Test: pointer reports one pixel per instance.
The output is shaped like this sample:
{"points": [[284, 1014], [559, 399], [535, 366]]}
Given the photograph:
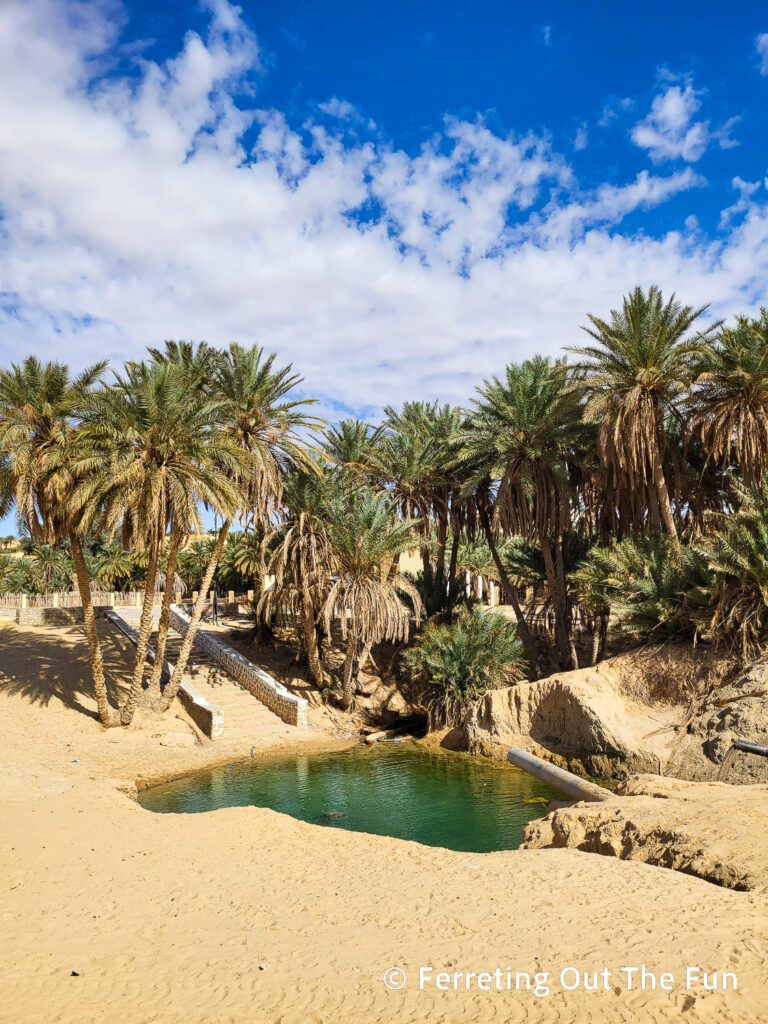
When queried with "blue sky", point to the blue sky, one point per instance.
{"points": [[398, 198], [580, 74]]}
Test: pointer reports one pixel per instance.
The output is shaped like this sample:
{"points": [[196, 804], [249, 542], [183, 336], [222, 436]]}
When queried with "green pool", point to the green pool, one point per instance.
{"points": [[392, 789]]}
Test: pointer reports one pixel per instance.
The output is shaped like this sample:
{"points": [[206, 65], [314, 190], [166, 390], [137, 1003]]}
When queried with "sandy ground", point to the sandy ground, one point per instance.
{"points": [[113, 914], [708, 829]]}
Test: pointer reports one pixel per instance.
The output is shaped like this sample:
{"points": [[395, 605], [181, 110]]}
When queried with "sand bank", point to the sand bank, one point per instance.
{"points": [[114, 914]]}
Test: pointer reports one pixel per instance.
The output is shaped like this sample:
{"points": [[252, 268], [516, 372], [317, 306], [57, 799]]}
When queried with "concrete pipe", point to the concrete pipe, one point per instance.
{"points": [[566, 782]]}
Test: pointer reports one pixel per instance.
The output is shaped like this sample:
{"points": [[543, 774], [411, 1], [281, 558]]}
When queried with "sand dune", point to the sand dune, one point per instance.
{"points": [[244, 915]]}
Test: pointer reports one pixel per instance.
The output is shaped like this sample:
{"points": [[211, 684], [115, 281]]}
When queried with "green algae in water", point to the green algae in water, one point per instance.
{"points": [[390, 789]]}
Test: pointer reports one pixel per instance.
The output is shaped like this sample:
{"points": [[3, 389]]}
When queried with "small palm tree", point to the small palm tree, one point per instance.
{"points": [[460, 663], [474, 556], [636, 375], [736, 549], [365, 534], [730, 399], [114, 565], [13, 575], [241, 558], [653, 584], [49, 568]]}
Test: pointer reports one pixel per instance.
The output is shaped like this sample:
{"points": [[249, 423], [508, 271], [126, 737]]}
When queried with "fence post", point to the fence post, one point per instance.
{"points": [[138, 599], [24, 601], [194, 596], [250, 595], [55, 600]]}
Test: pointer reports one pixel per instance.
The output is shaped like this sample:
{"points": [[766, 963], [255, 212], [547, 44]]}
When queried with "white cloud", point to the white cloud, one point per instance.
{"points": [[669, 131], [581, 138], [761, 45], [134, 210], [615, 109], [746, 190]]}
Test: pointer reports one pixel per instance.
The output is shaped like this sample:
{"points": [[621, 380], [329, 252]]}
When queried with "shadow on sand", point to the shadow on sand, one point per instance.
{"points": [[48, 662]]}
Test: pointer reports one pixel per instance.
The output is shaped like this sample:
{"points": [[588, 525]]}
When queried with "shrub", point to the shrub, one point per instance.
{"points": [[737, 551], [655, 586], [459, 663]]}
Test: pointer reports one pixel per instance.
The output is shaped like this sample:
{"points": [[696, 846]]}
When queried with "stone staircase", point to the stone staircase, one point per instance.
{"points": [[244, 715]]}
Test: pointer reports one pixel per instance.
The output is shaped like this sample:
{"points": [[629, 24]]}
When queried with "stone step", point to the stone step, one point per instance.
{"points": [[243, 713]]}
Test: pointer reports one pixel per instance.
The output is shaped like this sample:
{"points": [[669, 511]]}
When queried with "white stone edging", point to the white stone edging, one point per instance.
{"points": [[272, 693], [205, 715]]}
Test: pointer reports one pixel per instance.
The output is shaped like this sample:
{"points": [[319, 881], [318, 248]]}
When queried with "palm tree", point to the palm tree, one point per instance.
{"points": [[526, 433], [636, 375], [39, 440], [429, 434], [49, 568], [351, 446], [474, 556], [407, 460], [114, 565], [364, 534], [13, 574], [240, 559], [654, 585], [264, 428], [736, 549], [730, 399], [166, 455], [301, 561]]}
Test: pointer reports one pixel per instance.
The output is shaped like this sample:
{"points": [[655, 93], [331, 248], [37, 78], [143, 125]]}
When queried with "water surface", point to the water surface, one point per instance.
{"points": [[393, 789]]}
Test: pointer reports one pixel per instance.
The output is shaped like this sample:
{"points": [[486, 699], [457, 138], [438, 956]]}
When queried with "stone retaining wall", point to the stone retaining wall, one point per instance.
{"points": [[206, 716], [270, 692], [54, 616]]}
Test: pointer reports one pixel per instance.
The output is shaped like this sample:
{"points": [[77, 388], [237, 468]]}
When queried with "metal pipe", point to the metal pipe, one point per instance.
{"points": [[566, 782], [751, 748]]}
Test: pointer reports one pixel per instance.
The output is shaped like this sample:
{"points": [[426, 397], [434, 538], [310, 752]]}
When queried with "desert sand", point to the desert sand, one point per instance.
{"points": [[111, 913]]}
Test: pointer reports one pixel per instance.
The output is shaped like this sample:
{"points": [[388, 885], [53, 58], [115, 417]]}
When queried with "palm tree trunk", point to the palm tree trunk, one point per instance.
{"points": [[172, 688], [442, 536], [348, 679], [561, 629], [564, 610], [425, 563], [451, 583], [165, 615], [657, 475], [595, 650], [310, 637], [604, 620], [453, 560], [107, 714], [660, 484], [510, 597], [128, 709]]}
